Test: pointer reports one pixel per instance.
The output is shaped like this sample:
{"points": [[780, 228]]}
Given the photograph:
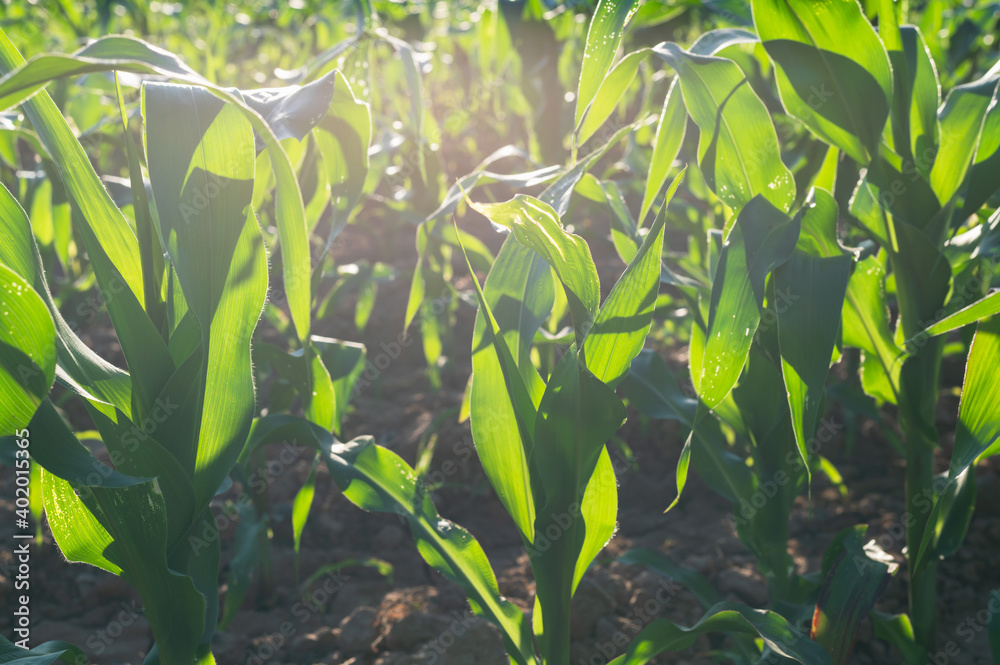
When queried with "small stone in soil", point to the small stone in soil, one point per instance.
{"points": [[475, 641], [415, 628], [357, 631], [590, 603]]}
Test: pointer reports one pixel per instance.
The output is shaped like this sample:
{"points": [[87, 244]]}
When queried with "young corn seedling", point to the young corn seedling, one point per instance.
{"points": [[927, 171], [918, 172], [184, 292], [541, 443]]}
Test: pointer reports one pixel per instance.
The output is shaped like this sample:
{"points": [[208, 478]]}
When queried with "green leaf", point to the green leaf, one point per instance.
{"points": [[92, 199], [866, 327], [809, 297], [228, 373], [738, 150], [292, 111], [536, 225], [559, 193], [103, 55], [620, 329], [916, 97], [201, 160], [923, 278], [762, 238], [652, 388], [43, 654], [133, 513], [669, 136], [808, 329], [377, 479], [27, 351], [125, 53], [150, 252], [962, 118], [201, 165], [981, 309], [343, 137], [245, 557], [576, 417], [77, 364], [604, 36], [664, 635], [146, 353], [300, 509], [979, 410], [983, 179], [612, 89], [896, 629], [832, 70], [977, 436], [79, 534], [415, 81], [857, 578], [345, 362], [505, 391]]}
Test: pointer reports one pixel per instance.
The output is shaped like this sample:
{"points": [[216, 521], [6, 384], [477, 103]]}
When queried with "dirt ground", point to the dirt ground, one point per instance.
{"points": [[418, 616]]}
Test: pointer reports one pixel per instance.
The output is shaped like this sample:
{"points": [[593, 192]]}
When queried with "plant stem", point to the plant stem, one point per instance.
{"points": [[918, 399], [923, 582]]}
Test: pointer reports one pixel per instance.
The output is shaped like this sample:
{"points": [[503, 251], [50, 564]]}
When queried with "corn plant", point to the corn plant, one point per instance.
{"points": [[921, 172], [184, 291]]}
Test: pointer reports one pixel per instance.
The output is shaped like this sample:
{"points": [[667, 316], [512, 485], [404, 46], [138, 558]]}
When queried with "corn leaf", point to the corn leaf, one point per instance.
{"points": [[670, 129], [133, 513], [27, 351], [738, 150], [977, 437], [505, 392], [832, 70], [612, 89], [559, 193], [343, 137], [96, 207], [43, 654], [983, 181], [923, 278], [292, 111], [536, 225], [604, 36], [577, 415], [663, 635], [344, 362], [377, 479], [123, 52], [620, 329], [150, 252], [981, 309], [762, 238], [962, 118], [809, 297], [855, 581], [866, 327], [77, 364], [300, 509], [103, 56]]}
